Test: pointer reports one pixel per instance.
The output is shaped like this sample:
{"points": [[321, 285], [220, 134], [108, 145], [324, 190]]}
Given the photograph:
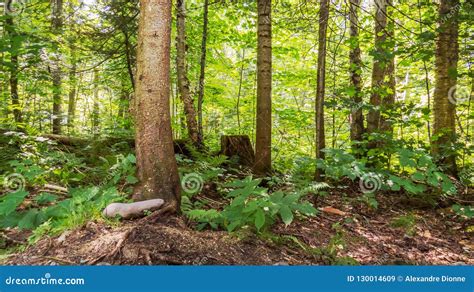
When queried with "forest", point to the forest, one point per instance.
{"points": [[237, 132]]}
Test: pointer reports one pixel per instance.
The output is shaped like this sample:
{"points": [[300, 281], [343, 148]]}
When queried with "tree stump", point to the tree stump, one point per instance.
{"points": [[240, 146]]}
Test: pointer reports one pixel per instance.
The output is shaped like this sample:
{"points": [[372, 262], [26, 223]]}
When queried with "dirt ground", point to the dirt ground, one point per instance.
{"points": [[343, 234]]}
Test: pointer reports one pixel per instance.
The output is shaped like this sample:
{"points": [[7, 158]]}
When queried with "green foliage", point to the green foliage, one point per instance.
{"points": [[413, 170], [252, 205], [464, 211], [123, 169], [205, 217], [9, 203], [47, 212], [369, 200], [423, 172], [406, 222], [80, 206]]}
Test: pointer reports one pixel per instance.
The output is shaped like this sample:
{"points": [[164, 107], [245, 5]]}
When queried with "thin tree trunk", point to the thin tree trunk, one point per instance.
{"points": [[156, 163], [427, 80], [383, 79], [183, 82], [428, 94], [95, 107], [357, 118], [15, 100], [128, 55], [72, 94], [203, 68], [321, 79], [263, 141], [388, 100], [447, 50], [241, 74], [57, 25]]}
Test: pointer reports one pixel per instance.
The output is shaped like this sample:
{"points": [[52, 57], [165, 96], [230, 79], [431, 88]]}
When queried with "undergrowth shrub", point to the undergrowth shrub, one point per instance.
{"points": [[27, 206], [251, 205], [413, 171]]}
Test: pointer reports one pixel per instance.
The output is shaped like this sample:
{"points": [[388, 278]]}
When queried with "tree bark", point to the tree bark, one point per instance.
{"points": [[238, 145], [57, 25], [447, 54], [321, 79], [383, 79], [72, 93], [15, 100], [357, 118], [239, 92], [263, 141], [183, 82], [156, 164], [128, 57], [95, 107], [203, 68]]}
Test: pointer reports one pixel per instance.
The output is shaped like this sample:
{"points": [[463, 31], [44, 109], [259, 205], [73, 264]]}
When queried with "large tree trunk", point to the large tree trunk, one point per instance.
{"points": [[203, 68], [57, 24], [183, 82], [321, 79], [14, 48], [383, 79], [357, 118], [156, 164], [263, 154], [444, 103]]}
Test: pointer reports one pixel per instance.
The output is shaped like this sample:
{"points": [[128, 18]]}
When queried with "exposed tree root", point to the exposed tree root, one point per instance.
{"points": [[117, 248]]}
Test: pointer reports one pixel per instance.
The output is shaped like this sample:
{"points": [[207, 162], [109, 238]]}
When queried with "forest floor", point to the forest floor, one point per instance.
{"points": [[344, 232]]}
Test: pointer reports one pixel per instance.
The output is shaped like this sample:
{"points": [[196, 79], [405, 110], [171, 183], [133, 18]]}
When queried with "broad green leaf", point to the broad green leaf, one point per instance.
{"points": [[286, 214], [9, 202], [259, 219], [306, 209], [45, 198], [131, 179]]}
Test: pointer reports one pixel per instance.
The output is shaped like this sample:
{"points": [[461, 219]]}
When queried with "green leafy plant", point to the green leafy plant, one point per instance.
{"points": [[252, 205], [415, 171], [81, 205], [464, 211], [369, 200]]}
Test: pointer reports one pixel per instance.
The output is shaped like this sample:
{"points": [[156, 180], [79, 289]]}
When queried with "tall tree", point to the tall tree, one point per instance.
{"points": [[357, 118], [183, 81], [95, 104], [447, 54], [157, 169], [14, 49], [71, 111], [203, 67], [320, 80], [57, 26], [263, 141], [383, 79]]}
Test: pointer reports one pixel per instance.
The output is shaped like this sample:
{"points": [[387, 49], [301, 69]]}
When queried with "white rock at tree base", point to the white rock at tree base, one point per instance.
{"points": [[129, 210]]}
